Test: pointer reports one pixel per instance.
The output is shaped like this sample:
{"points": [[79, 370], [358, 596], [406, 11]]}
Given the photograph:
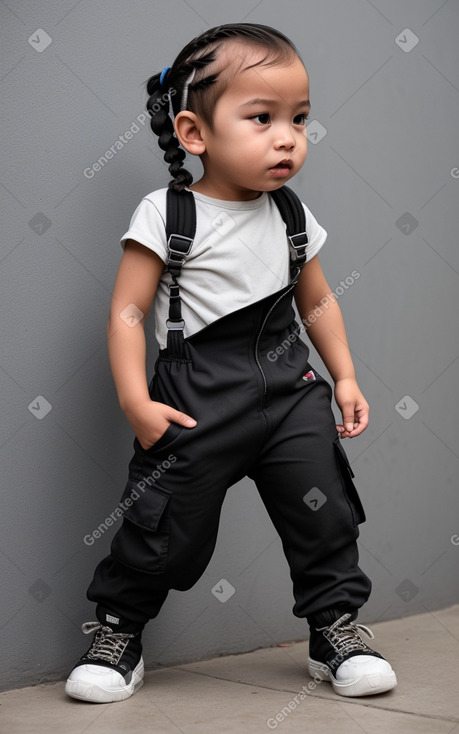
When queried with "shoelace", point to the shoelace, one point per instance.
{"points": [[107, 645], [345, 636]]}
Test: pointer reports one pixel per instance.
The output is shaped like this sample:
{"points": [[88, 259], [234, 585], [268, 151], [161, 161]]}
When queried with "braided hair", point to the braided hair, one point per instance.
{"points": [[187, 85]]}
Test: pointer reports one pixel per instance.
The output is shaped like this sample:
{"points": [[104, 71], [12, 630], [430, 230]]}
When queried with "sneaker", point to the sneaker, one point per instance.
{"points": [[111, 670], [338, 654]]}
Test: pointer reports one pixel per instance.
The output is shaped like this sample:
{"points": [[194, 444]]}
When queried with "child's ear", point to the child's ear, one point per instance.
{"points": [[188, 130]]}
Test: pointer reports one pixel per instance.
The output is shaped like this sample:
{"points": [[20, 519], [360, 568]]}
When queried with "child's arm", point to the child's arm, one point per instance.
{"points": [[136, 282], [328, 335]]}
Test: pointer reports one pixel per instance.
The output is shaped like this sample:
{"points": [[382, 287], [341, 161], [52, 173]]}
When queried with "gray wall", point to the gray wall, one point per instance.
{"points": [[383, 181]]}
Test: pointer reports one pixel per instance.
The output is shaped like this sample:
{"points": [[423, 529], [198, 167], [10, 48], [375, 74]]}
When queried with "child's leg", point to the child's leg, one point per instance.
{"points": [[169, 531], [305, 481], [125, 595], [165, 542], [309, 494]]}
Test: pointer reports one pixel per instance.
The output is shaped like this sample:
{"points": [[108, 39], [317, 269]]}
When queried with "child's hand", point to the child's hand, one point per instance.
{"points": [[354, 408], [149, 420]]}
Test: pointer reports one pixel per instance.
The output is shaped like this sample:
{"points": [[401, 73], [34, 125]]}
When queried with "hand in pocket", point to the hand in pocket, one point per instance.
{"points": [[150, 421]]}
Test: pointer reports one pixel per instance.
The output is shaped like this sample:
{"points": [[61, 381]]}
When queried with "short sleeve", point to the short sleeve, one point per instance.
{"points": [[316, 234], [147, 226]]}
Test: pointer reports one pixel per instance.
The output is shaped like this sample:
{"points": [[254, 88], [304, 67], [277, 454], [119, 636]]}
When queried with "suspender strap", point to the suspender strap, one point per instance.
{"points": [[180, 228], [180, 232], [293, 214]]}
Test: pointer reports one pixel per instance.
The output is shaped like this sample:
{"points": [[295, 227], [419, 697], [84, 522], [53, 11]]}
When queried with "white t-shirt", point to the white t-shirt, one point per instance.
{"points": [[240, 255]]}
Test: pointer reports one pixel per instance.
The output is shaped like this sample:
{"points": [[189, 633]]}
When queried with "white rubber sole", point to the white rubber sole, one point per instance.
{"points": [[88, 691], [367, 685]]}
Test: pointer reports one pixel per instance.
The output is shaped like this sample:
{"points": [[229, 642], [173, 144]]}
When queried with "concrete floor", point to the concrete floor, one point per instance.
{"points": [[244, 693]]}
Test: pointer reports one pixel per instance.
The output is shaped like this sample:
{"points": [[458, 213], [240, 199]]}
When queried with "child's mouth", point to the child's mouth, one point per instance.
{"points": [[282, 169]]}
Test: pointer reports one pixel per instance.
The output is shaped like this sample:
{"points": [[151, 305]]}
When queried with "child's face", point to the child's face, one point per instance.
{"points": [[250, 138]]}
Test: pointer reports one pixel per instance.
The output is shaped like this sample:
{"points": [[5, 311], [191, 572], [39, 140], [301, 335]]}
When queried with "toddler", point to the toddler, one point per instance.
{"points": [[233, 393]]}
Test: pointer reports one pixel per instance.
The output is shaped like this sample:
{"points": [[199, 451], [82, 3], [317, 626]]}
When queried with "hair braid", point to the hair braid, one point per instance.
{"points": [[161, 124]]}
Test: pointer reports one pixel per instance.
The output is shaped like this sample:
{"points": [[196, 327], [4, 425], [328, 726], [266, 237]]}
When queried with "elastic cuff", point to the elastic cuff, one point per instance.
{"points": [[118, 624], [327, 617]]}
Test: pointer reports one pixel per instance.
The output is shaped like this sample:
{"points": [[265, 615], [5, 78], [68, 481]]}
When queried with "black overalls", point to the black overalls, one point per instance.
{"points": [[262, 411]]}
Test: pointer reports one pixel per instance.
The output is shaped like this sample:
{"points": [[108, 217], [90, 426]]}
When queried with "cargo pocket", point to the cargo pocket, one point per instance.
{"points": [[142, 542], [353, 499]]}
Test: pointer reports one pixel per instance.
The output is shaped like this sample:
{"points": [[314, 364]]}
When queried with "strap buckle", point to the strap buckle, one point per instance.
{"points": [[179, 247], [175, 325], [183, 245], [298, 244]]}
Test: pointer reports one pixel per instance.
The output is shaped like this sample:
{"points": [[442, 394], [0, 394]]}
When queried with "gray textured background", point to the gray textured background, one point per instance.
{"points": [[383, 181]]}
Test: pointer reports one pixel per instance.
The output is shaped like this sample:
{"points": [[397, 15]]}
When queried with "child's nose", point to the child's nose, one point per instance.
{"points": [[285, 138]]}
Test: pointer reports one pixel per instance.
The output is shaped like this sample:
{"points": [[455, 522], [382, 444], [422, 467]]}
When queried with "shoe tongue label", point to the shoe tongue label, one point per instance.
{"points": [[113, 620]]}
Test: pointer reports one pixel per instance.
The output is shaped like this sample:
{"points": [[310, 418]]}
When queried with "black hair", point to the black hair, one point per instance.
{"points": [[205, 89]]}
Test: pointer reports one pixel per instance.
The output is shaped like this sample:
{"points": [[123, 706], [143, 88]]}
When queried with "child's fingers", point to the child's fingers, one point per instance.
{"points": [[357, 430], [353, 426], [176, 416], [348, 418]]}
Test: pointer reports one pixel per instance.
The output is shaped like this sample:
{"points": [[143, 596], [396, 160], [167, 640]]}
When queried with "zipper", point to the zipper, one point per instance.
{"points": [[265, 383]]}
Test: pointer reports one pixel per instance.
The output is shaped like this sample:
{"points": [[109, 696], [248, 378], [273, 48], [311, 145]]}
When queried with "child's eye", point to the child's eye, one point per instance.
{"points": [[263, 118]]}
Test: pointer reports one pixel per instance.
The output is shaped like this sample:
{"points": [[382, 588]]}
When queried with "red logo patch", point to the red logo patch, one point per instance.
{"points": [[309, 376]]}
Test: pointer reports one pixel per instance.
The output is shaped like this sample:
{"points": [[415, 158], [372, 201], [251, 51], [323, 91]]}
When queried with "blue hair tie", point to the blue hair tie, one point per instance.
{"points": [[163, 74]]}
